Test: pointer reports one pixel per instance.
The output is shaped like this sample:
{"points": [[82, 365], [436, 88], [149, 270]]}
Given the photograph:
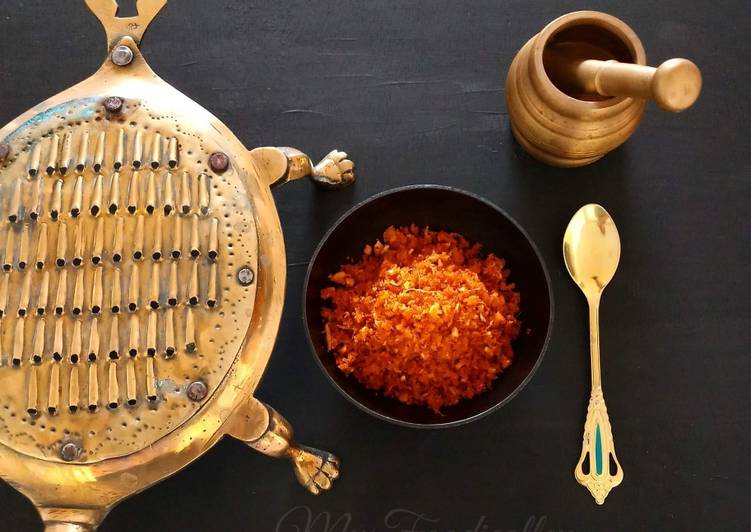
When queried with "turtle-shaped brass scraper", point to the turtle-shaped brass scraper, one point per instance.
{"points": [[141, 287]]}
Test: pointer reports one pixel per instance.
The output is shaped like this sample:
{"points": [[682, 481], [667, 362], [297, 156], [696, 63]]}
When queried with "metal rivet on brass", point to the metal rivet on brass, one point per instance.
{"points": [[246, 276], [122, 55], [219, 162], [113, 104], [197, 391], [69, 452]]}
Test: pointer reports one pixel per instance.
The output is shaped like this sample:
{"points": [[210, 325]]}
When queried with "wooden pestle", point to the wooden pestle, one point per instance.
{"points": [[674, 85]]}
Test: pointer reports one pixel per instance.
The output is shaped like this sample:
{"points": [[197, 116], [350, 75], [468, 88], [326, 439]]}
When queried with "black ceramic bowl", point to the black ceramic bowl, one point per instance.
{"points": [[451, 210]]}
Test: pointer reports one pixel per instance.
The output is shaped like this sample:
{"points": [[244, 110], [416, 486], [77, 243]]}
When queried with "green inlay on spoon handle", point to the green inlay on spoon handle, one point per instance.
{"points": [[598, 450], [598, 468]]}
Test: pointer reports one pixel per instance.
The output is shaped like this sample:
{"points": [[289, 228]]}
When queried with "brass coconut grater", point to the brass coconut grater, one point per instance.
{"points": [[142, 286]]}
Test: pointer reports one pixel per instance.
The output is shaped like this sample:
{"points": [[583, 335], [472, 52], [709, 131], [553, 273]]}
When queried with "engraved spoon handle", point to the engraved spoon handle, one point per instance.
{"points": [[598, 468]]}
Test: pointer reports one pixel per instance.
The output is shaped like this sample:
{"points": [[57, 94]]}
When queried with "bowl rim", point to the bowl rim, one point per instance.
{"points": [[394, 420]]}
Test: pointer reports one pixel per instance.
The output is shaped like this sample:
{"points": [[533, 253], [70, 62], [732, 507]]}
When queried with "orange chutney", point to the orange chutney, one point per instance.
{"points": [[422, 317]]}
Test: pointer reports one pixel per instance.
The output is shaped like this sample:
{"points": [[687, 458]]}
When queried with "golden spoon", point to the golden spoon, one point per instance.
{"points": [[591, 250]]}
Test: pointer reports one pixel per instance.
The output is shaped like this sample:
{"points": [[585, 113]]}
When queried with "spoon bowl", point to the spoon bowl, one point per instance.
{"points": [[591, 249]]}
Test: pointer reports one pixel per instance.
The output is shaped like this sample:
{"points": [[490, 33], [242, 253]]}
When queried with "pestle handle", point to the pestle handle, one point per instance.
{"points": [[674, 85]]}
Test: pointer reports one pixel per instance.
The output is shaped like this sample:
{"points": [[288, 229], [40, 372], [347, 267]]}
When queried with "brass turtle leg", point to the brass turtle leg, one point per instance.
{"points": [[282, 165], [266, 431]]}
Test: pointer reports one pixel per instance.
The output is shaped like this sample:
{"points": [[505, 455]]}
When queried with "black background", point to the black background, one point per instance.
{"points": [[414, 90]]}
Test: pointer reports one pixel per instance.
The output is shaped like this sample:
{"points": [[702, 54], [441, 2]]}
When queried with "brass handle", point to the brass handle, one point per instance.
{"points": [[67, 527], [675, 85], [594, 470], [116, 27], [71, 519]]}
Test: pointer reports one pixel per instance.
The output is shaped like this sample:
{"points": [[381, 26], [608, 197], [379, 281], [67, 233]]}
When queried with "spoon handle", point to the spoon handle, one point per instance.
{"points": [[598, 469], [594, 341]]}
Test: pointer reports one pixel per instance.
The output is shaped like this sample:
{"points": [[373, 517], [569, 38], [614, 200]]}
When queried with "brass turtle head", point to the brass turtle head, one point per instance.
{"points": [[141, 289]]}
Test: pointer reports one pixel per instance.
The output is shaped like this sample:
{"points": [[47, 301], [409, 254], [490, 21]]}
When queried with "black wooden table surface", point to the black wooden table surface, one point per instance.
{"points": [[414, 90]]}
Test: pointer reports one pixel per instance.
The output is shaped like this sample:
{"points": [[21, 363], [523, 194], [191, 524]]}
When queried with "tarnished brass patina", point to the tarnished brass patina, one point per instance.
{"points": [[592, 250], [142, 286], [578, 89]]}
